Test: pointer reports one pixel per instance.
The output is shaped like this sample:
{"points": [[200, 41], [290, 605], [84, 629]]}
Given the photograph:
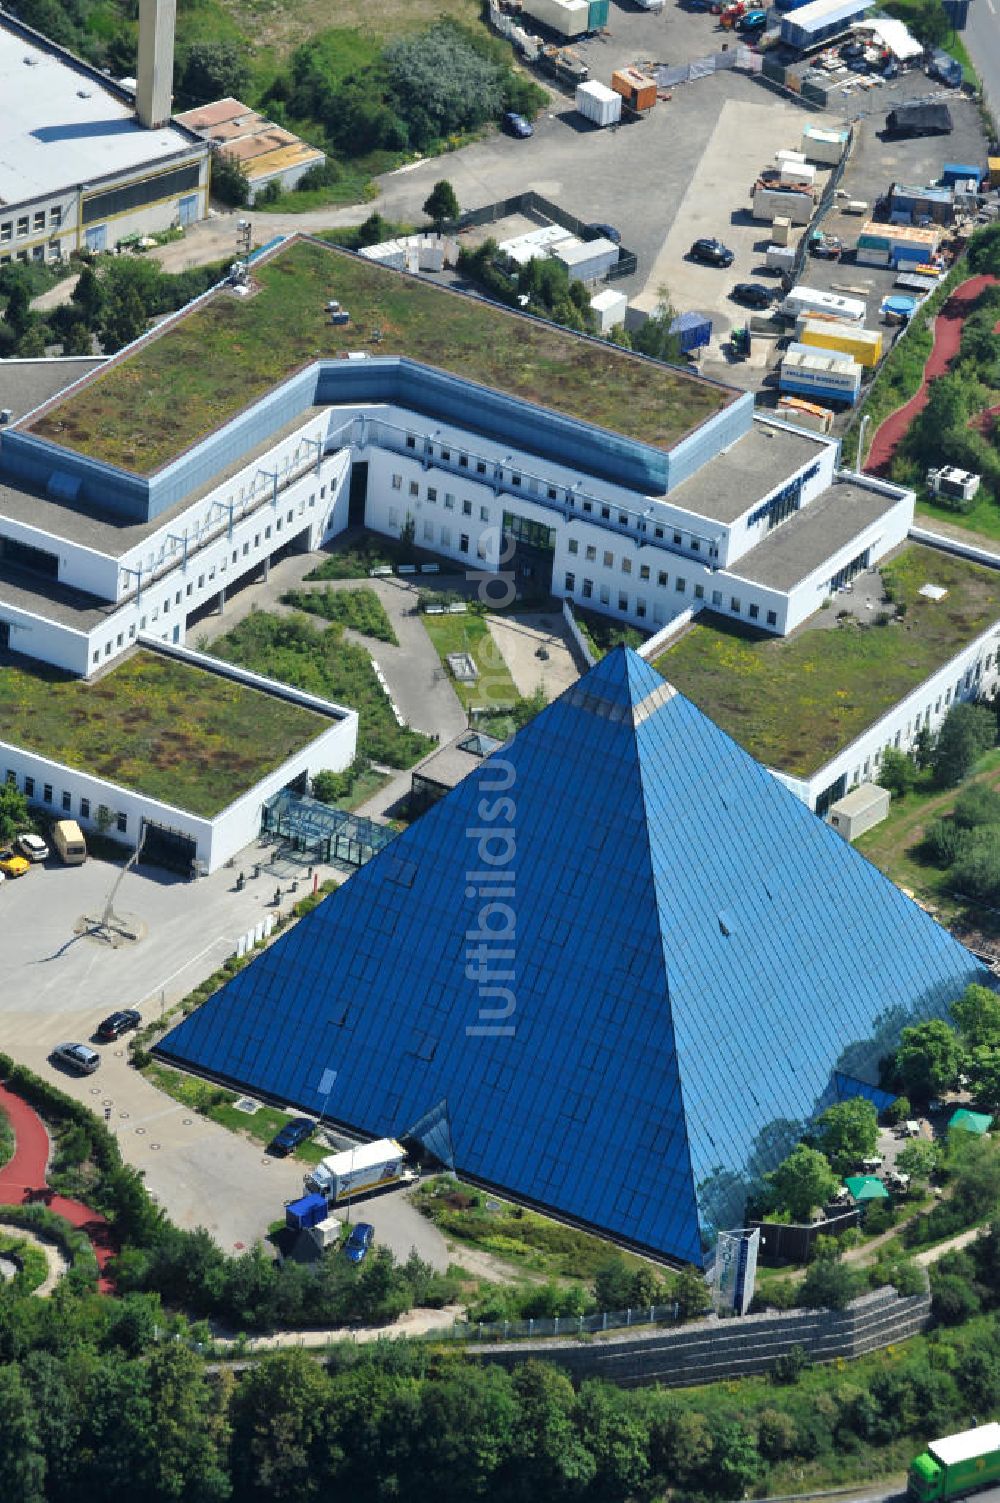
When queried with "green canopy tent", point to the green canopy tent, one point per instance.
{"points": [[974, 1122], [865, 1188]]}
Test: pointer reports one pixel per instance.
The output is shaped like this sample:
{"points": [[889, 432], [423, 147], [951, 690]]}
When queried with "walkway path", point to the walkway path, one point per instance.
{"points": [[947, 334], [54, 1256], [23, 1181]]}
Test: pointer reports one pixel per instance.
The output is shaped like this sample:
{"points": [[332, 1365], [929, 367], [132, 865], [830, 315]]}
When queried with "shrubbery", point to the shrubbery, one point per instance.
{"points": [[360, 609]]}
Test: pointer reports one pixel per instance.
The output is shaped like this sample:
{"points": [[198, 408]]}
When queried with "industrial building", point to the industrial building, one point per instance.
{"points": [[619, 996], [85, 162], [267, 152]]}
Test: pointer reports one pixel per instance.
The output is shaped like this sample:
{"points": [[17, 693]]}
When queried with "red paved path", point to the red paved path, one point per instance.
{"points": [[23, 1181], [947, 334]]}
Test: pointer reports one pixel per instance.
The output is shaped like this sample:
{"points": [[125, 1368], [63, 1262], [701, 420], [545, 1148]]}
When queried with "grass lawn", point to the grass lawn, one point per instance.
{"points": [[360, 609], [894, 845], [216, 1103], [174, 732], [470, 633], [183, 383], [983, 519], [34, 1264], [794, 702]]}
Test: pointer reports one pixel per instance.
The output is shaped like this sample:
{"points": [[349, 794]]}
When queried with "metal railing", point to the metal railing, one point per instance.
{"points": [[559, 1325]]}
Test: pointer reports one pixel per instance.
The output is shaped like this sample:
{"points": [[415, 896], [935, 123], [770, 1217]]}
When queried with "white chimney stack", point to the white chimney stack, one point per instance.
{"points": [[154, 94]]}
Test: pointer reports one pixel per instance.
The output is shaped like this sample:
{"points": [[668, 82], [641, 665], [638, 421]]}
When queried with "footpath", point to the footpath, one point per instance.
{"points": [[23, 1181]]}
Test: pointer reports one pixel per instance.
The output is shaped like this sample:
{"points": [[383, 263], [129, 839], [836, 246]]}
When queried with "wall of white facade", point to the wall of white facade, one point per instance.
{"points": [[70, 793], [743, 534], [973, 673], [48, 641]]}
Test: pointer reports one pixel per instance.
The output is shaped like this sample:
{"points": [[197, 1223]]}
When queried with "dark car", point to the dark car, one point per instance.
{"points": [[852, 51], [358, 1243], [945, 69], [290, 1136], [712, 252], [516, 125], [118, 1023], [606, 232], [752, 294]]}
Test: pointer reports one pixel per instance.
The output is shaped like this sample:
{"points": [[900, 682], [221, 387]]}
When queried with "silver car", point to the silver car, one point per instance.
{"points": [[76, 1057], [32, 846]]}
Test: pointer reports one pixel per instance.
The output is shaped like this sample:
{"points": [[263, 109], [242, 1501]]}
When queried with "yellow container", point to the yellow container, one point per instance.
{"points": [[863, 345], [994, 166]]}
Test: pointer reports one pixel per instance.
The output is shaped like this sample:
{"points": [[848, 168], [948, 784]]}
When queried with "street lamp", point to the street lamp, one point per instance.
{"points": [[861, 441]]}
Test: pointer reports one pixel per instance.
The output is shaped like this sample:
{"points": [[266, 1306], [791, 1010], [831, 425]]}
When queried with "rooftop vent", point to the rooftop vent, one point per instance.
{"points": [[83, 94], [340, 317], [31, 61]]}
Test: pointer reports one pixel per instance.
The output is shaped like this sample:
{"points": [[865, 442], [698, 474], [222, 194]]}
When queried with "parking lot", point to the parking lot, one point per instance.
{"points": [[58, 985]]}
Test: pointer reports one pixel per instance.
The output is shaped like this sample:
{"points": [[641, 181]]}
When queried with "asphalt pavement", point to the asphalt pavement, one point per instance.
{"points": [[982, 41]]}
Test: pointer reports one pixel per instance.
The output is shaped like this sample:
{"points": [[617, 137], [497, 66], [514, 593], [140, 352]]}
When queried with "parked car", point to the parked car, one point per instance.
{"points": [[33, 847], [826, 247], [516, 125], [753, 20], [357, 1245], [117, 1023], [712, 252], [76, 1057], [13, 865], [852, 51], [945, 69], [606, 232], [752, 294], [288, 1138]]}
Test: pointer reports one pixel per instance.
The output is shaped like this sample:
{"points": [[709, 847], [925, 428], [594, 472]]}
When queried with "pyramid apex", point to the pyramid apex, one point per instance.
{"points": [[622, 685]]}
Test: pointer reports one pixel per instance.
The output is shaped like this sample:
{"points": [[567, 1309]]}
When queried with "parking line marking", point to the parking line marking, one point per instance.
{"points": [[162, 985]]}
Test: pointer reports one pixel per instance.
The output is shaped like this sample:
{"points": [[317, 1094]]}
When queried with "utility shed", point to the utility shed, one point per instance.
{"points": [[860, 810]]}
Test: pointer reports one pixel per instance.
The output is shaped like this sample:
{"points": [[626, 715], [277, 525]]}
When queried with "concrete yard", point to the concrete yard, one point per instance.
{"points": [[520, 638]]}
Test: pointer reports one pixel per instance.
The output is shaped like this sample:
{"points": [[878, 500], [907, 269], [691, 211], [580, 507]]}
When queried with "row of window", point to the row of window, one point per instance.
{"points": [[444, 536], [31, 224], [680, 587], [51, 252], [904, 736], [448, 500], [117, 643], [66, 802]]}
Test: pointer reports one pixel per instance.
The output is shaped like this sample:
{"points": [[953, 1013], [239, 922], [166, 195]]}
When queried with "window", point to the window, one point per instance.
{"points": [[397, 484], [38, 253], [680, 585], [515, 478], [609, 560], [551, 491], [622, 601], [677, 537], [322, 495], [432, 494], [484, 514], [643, 571], [463, 543], [753, 612], [658, 532], [466, 508], [85, 808], [38, 221], [446, 454], [411, 442], [463, 461], [734, 605], [661, 579], [605, 594], [393, 516], [570, 582], [623, 519], [55, 217], [716, 597], [11, 777], [588, 588], [626, 566], [699, 592], [67, 803], [119, 639], [22, 225], [7, 230], [55, 250], [573, 546], [122, 823], [480, 467], [414, 488], [47, 792], [428, 532], [177, 598], [29, 787], [190, 587], [588, 506], [695, 546], [449, 501], [445, 537], [606, 513], [591, 553], [246, 550], [290, 517], [640, 607]]}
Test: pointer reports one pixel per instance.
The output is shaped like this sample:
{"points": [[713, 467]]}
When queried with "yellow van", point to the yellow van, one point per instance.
{"points": [[67, 837]]}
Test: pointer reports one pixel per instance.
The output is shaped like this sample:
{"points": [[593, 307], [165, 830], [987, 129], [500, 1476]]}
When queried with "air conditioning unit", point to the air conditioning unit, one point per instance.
{"points": [[959, 485]]}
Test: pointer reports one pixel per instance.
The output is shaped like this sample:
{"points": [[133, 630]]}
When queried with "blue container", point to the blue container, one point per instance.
{"points": [[959, 172], [309, 1211], [692, 330]]}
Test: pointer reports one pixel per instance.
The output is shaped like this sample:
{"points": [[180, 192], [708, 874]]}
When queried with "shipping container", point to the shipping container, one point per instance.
{"points": [[692, 331], [812, 374], [599, 104], [609, 308], [568, 18], [863, 345], [805, 414], [781, 230], [810, 349], [872, 255], [959, 172], [823, 146], [637, 89], [787, 155], [598, 11], [994, 167], [779, 257], [587, 261], [772, 203], [813, 24], [801, 299], [305, 1212]]}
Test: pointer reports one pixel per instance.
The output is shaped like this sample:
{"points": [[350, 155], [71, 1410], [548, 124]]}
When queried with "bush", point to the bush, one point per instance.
{"points": [[944, 842], [360, 609], [978, 805], [953, 1301], [828, 1286]]}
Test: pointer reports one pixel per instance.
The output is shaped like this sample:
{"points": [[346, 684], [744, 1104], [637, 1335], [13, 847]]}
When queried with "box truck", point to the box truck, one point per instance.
{"points": [[956, 1465], [358, 1170]]}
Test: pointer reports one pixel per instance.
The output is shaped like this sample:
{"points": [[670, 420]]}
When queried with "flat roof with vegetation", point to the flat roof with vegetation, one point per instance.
{"points": [[795, 702], [146, 408], [174, 732]]}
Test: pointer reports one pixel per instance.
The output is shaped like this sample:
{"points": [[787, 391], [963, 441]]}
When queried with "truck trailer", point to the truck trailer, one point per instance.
{"points": [[956, 1465], [356, 1171]]}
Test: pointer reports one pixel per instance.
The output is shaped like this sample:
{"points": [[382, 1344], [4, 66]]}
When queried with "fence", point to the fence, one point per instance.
{"points": [[574, 630], [822, 208], [655, 644], [529, 203], [561, 1325]]}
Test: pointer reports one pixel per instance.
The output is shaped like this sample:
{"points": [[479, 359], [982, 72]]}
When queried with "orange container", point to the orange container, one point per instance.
{"points": [[637, 89]]}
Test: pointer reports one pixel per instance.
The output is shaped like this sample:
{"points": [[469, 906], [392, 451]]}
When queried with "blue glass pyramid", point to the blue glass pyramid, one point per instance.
{"points": [[613, 972]]}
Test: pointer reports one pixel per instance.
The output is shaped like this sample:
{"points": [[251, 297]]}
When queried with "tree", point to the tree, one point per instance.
{"points": [[77, 339], [928, 1059], [897, 772], [735, 1463], [468, 1429], [617, 1439], [899, 1111], [848, 1133], [548, 1454], [13, 812], [188, 1451], [976, 871], [124, 320], [977, 1016], [803, 1181], [441, 204], [918, 1159], [692, 1294], [952, 1300], [278, 1416], [230, 183], [18, 310], [978, 805], [32, 343], [440, 83], [930, 23], [967, 732], [828, 1285], [88, 297], [776, 1434], [654, 338], [22, 1465], [213, 70], [983, 1068]]}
